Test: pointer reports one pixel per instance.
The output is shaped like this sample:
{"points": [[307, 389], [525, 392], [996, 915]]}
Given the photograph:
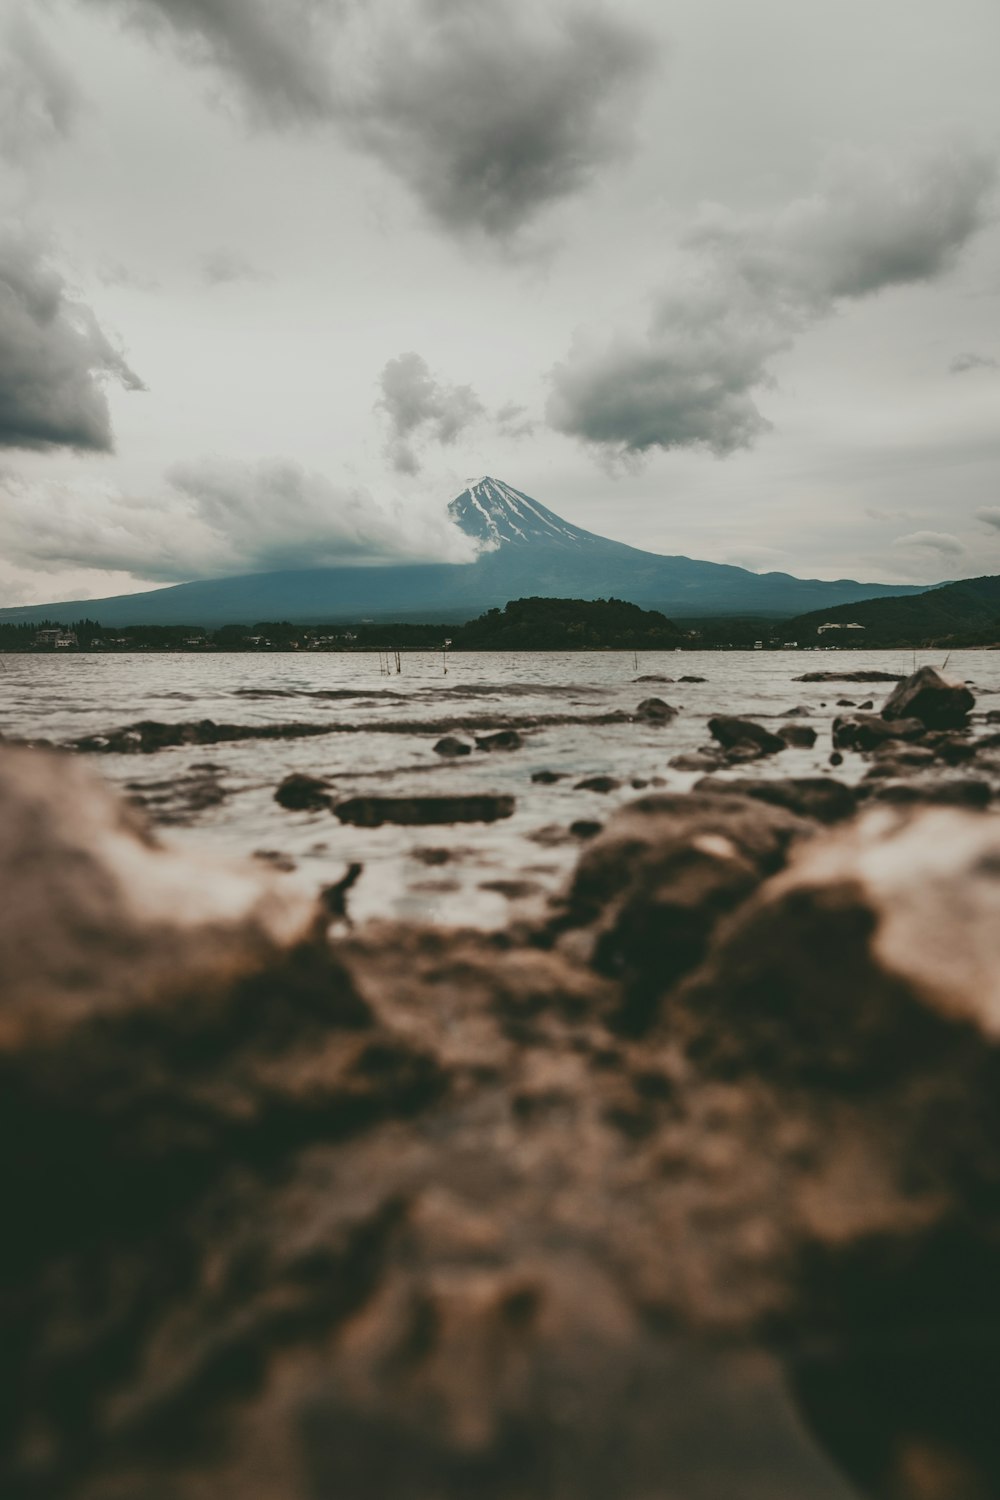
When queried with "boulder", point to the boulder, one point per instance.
{"points": [[865, 674], [501, 739], [451, 747], [819, 797], [547, 778], [598, 784], [865, 731], [655, 711], [372, 812], [798, 736], [732, 732], [301, 793], [935, 700]]}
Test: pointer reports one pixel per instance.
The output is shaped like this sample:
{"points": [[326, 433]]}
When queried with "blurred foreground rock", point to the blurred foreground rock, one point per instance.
{"points": [[634, 1204]]}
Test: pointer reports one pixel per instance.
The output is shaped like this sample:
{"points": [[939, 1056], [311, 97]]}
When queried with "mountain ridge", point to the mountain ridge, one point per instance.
{"points": [[526, 550]]}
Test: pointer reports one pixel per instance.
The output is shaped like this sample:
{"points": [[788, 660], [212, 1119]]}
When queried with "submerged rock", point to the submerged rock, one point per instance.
{"points": [[451, 747], [819, 797], [933, 699], [732, 732], [865, 731], [547, 778], [598, 784], [502, 739], [865, 674], [655, 711], [372, 812], [798, 736], [300, 793]]}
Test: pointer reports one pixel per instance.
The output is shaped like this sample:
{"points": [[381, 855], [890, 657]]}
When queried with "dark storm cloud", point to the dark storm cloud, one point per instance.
{"points": [[277, 51], [969, 361], [53, 357], [39, 101], [755, 283], [419, 408], [487, 112]]}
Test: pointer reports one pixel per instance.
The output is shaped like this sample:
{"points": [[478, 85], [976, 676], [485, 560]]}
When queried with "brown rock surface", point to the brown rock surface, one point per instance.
{"points": [[588, 1211]]}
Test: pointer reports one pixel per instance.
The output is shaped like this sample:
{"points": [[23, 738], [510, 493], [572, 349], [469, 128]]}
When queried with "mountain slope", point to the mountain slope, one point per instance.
{"points": [[970, 607], [528, 550]]}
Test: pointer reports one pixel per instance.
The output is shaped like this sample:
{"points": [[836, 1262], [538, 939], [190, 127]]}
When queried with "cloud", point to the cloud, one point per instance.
{"points": [[419, 409], [932, 541], [487, 112], [989, 515], [220, 519], [39, 100], [969, 361], [490, 112], [751, 285], [222, 267], [513, 421], [54, 358]]}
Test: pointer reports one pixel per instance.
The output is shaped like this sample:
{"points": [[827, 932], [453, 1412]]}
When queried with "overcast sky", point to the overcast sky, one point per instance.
{"points": [[277, 277]]}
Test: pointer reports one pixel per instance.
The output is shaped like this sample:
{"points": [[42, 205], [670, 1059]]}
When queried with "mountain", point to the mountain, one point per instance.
{"points": [[528, 550], [965, 612]]}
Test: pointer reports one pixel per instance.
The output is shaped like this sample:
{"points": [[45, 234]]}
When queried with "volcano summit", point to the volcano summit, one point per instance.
{"points": [[526, 550]]}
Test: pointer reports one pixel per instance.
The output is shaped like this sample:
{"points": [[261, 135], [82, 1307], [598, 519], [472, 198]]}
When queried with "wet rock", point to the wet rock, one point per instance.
{"points": [[695, 760], [868, 704], [502, 739], [993, 716], [932, 698], [866, 731], [956, 750], [655, 711], [835, 758], [150, 736], [732, 732], [100, 915], [432, 856], [653, 887], [846, 703], [936, 792], [585, 828], [688, 677], [653, 678], [598, 784], [451, 747], [819, 797], [866, 674], [372, 812], [798, 736], [800, 711], [547, 778], [300, 793]]}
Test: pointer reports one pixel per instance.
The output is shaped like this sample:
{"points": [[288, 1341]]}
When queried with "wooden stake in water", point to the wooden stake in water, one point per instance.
{"points": [[444, 654]]}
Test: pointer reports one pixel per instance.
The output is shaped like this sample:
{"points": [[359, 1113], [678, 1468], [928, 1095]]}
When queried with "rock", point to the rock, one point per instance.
{"points": [[688, 677], [372, 812], [695, 760], [654, 885], [654, 678], [452, 747], [638, 783], [300, 793], [150, 736], [835, 758], [933, 699], [547, 778], [598, 784], [865, 731], [942, 792], [869, 703], [799, 712], [955, 750], [819, 797], [993, 716], [732, 732], [502, 739], [800, 736], [846, 703], [866, 674], [655, 711]]}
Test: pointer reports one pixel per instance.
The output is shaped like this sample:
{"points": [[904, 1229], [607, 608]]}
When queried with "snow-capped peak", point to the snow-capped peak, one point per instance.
{"points": [[497, 515]]}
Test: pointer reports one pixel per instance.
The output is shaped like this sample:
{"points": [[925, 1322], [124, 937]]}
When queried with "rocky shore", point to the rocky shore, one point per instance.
{"points": [[687, 1190]]}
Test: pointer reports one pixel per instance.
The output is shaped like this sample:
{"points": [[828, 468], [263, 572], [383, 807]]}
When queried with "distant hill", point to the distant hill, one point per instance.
{"points": [[964, 613], [528, 550], [568, 625]]}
